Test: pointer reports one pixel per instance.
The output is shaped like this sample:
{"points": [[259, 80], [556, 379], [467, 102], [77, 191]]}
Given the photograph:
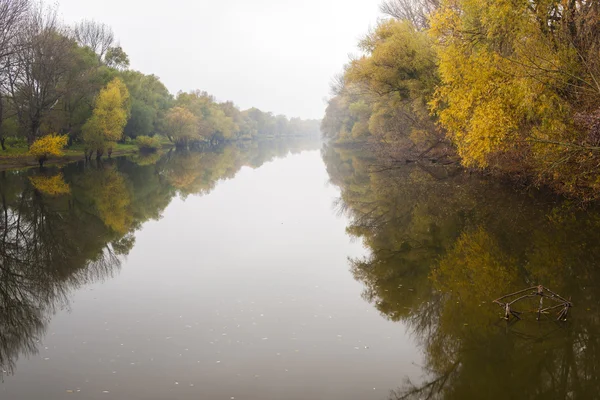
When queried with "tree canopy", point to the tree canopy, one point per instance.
{"points": [[496, 84]]}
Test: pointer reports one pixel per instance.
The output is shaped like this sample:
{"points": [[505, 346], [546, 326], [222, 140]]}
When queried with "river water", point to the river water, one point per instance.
{"points": [[287, 270], [242, 291]]}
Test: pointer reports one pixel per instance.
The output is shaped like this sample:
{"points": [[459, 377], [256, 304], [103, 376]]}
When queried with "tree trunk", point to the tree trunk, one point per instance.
{"points": [[2, 138], [33, 134]]}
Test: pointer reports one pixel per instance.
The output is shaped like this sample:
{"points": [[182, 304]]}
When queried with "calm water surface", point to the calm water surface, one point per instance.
{"points": [[289, 270], [243, 292]]}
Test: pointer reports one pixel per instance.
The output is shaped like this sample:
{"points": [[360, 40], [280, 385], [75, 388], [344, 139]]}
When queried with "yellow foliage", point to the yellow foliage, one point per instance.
{"points": [[385, 92], [51, 185], [110, 115], [400, 60], [181, 125], [500, 78], [46, 146], [474, 266], [113, 201]]}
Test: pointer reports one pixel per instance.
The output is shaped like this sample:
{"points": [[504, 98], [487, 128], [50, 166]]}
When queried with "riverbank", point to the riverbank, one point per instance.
{"points": [[17, 158]]}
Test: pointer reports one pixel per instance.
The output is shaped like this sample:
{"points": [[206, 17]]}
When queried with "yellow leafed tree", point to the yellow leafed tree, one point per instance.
{"points": [[508, 81], [181, 125], [47, 146], [110, 115]]}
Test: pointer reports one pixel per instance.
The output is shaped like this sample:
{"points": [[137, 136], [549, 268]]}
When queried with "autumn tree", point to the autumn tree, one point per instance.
{"points": [[108, 119], [181, 126], [520, 87], [396, 77], [47, 146], [384, 94]]}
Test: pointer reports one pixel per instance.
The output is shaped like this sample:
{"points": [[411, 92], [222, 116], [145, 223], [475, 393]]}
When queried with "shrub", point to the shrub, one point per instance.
{"points": [[16, 141], [46, 146], [147, 143]]}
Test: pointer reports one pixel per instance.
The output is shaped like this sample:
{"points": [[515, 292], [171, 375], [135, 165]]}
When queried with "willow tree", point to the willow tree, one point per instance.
{"points": [[109, 118], [520, 86], [181, 126], [396, 77]]}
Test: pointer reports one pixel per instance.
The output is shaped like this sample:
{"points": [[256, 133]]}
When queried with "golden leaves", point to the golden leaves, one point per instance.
{"points": [[110, 115], [51, 185], [50, 145]]}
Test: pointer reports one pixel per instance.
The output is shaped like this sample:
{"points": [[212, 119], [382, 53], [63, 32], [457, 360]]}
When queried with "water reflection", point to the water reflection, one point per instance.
{"points": [[443, 245], [64, 228]]}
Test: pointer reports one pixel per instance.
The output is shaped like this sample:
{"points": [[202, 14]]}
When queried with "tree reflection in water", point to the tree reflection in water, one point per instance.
{"points": [[443, 245], [61, 229]]}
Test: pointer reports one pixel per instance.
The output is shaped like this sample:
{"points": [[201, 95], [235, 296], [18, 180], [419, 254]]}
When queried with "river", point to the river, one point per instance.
{"points": [[288, 270]]}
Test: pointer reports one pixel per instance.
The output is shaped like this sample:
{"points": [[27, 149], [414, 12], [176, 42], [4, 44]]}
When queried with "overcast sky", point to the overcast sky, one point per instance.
{"points": [[276, 55]]}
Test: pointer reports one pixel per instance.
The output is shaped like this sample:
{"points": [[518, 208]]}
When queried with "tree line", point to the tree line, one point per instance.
{"points": [[503, 85], [71, 85]]}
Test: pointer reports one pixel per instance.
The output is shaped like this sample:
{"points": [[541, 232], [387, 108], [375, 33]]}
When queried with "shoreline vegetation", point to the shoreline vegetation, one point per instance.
{"points": [[67, 93], [22, 159], [502, 87]]}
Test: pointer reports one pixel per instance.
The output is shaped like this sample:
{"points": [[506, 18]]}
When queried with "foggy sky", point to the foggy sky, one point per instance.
{"points": [[276, 55]]}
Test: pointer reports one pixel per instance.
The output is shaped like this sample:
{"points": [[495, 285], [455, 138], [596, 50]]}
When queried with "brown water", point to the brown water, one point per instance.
{"points": [[288, 270]]}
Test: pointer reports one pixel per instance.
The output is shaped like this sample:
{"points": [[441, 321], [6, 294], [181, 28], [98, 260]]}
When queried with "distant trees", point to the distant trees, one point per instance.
{"points": [[216, 122], [181, 126], [148, 144], [75, 81], [384, 94], [97, 36]]}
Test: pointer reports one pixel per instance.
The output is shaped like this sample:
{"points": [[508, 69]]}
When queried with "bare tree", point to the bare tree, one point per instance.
{"points": [[97, 36], [37, 70], [415, 11], [12, 15]]}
